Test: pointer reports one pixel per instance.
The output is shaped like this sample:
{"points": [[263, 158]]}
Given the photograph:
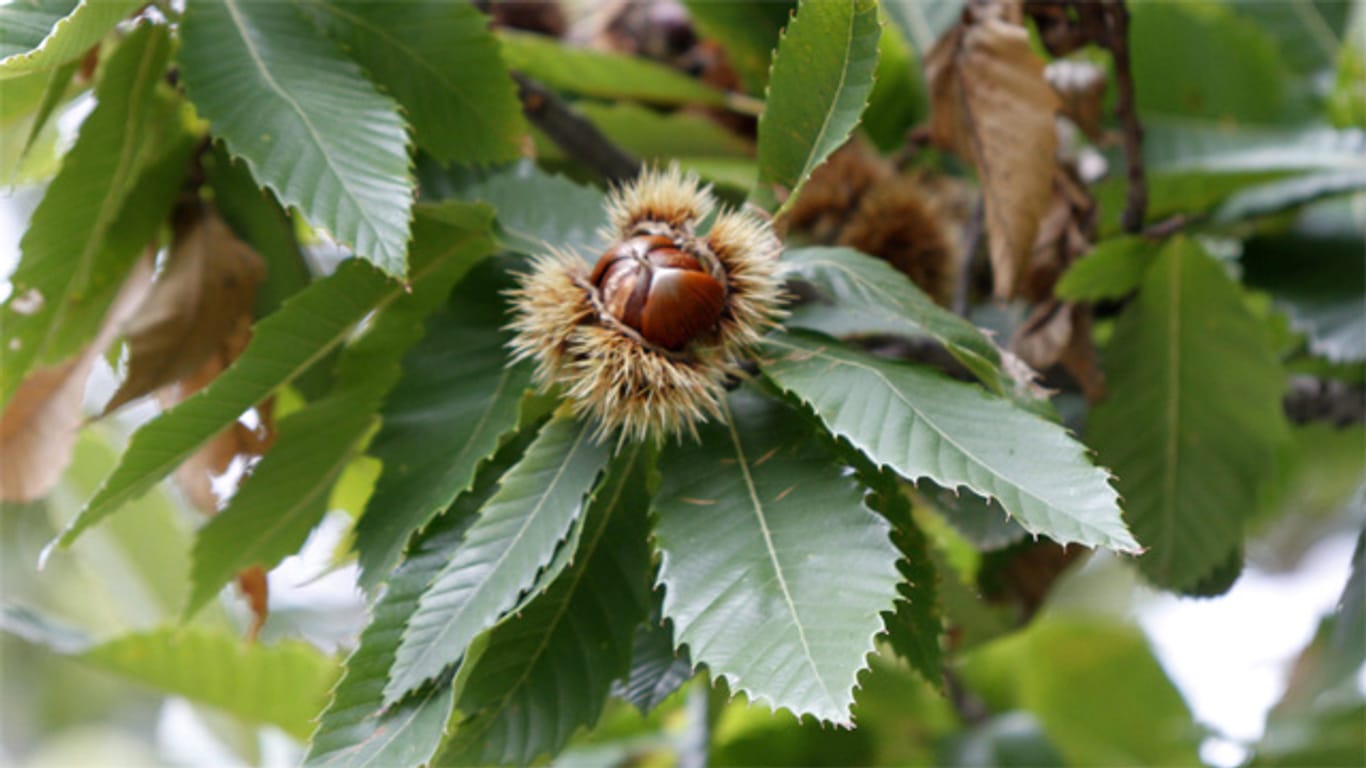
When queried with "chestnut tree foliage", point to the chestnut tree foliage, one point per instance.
{"points": [[291, 228]]}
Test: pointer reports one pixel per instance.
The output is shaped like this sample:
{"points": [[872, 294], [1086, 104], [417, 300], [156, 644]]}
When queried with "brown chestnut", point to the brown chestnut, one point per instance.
{"points": [[662, 292]]}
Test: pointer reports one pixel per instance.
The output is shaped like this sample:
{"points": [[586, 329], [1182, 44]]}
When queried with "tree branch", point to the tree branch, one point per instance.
{"points": [[573, 133]]}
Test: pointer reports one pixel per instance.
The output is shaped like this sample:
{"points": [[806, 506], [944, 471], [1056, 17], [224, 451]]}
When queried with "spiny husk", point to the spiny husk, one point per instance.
{"points": [[628, 386]]}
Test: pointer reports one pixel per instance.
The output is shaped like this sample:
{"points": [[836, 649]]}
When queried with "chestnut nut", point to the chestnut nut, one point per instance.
{"points": [[659, 290]]}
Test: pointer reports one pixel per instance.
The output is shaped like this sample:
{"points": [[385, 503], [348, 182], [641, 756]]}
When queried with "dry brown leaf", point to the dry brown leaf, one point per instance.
{"points": [[208, 286], [39, 427], [195, 475], [1081, 86], [992, 106], [252, 583]]}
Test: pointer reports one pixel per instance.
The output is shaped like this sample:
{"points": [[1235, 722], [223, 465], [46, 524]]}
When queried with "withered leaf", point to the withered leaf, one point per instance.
{"points": [[206, 289], [39, 426], [1081, 86], [992, 106]]}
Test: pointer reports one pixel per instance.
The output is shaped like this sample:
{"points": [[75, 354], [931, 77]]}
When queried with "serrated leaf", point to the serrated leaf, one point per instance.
{"points": [[1111, 270], [546, 671], [914, 627], [37, 36], [923, 424], [286, 493], [456, 402], [282, 684], [821, 79], [304, 118], [603, 75], [356, 729], [439, 61], [305, 330], [535, 210], [658, 668], [515, 535], [1193, 412], [775, 573], [991, 104], [79, 246], [866, 295]]}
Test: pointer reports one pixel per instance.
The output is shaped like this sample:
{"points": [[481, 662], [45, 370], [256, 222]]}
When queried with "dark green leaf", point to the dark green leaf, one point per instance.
{"points": [[546, 671], [658, 668], [454, 405], [923, 424], [603, 75], [1111, 270], [775, 572], [914, 627], [357, 729], [79, 246], [981, 522], [516, 534], [46, 34], [652, 135], [898, 99], [304, 118], [305, 330], [747, 29], [868, 296], [1192, 416], [440, 62], [822, 77], [286, 493]]}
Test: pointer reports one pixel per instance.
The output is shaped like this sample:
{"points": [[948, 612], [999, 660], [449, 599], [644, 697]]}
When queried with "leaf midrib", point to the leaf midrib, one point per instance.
{"points": [[1172, 443], [820, 353], [809, 165], [758, 507], [361, 210]]}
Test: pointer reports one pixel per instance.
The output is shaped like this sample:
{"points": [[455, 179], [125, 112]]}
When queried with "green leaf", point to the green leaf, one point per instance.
{"points": [[287, 492], [357, 729], [603, 75], [536, 210], [652, 135], [775, 573], [55, 89], [43, 35], [1067, 672], [282, 684], [822, 77], [455, 404], [914, 627], [258, 219], [305, 330], [860, 295], [517, 533], [304, 118], [925, 425], [547, 671], [658, 668], [922, 23], [1192, 416], [1111, 270], [439, 61], [79, 246], [747, 29], [899, 97]]}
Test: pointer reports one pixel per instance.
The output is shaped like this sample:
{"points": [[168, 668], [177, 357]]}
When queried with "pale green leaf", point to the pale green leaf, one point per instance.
{"points": [[860, 295], [924, 425], [456, 402], [36, 36], [357, 729], [306, 330], [822, 77], [304, 118], [1111, 270], [546, 671], [515, 535], [287, 491], [601, 74], [1192, 416], [775, 574], [79, 246], [441, 63]]}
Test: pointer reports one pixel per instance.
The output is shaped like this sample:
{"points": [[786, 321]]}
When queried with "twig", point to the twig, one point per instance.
{"points": [[1117, 40], [573, 133]]}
